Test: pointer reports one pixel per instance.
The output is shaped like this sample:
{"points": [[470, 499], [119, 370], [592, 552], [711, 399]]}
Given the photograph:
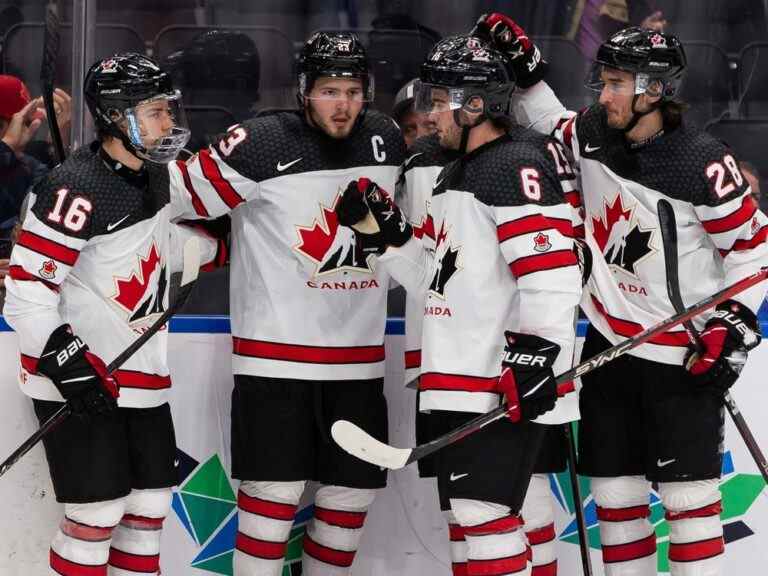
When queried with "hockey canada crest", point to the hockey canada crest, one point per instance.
{"points": [[143, 292], [329, 246], [446, 263], [618, 233]]}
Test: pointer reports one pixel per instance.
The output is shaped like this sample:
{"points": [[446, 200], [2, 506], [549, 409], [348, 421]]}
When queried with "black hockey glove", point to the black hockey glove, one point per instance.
{"points": [[527, 380], [510, 38], [80, 375], [376, 219], [727, 337]]}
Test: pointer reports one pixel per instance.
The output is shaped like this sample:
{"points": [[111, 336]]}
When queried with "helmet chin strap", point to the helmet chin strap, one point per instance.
{"points": [[466, 128], [637, 115]]}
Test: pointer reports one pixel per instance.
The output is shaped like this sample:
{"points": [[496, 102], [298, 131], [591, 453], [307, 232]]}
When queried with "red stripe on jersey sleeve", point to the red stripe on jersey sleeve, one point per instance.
{"points": [[498, 566], [578, 231], [18, 273], [568, 132], [733, 220], [456, 533], [149, 564], [692, 551], [623, 514], [714, 509], [197, 204], [541, 535], [142, 522], [413, 358], [49, 248], [541, 262], [545, 569], [223, 188], [498, 526], [29, 363], [267, 508], [308, 354], [350, 520], [134, 379], [628, 329], [436, 381], [753, 242], [533, 223], [573, 198]]}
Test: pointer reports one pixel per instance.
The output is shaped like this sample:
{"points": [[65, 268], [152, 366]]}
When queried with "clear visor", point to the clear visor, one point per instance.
{"points": [[158, 127], [338, 87], [620, 82], [433, 99]]}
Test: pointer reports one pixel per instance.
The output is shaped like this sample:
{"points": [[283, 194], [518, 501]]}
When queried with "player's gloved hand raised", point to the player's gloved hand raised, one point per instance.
{"points": [[527, 379], [370, 211], [727, 337], [80, 375], [510, 38]]}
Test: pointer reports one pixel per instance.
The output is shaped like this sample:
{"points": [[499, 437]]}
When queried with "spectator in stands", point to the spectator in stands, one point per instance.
{"points": [[752, 175], [20, 118], [412, 124], [596, 20]]}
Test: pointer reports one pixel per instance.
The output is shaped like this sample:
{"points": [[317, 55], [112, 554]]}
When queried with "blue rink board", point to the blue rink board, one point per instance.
{"points": [[395, 326]]}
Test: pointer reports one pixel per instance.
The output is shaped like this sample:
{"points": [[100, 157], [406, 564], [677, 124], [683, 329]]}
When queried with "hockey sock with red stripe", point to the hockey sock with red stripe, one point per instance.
{"points": [[81, 545], [265, 512], [333, 535], [496, 543], [458, 545], [539, 526], [135, 547], [627, 537], [696, 544]]}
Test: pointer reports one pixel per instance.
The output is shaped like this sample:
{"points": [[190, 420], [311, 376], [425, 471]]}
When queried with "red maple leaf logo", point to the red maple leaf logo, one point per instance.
{"points": [[316, 241], [426, 228], [541, 242], [442, 235], [130, 291], [613, 213]]}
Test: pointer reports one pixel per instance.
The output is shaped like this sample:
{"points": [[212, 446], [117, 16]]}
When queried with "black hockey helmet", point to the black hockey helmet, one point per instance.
{"points": [[467, 66], [335, 54], [650, 55], [116, 89]]}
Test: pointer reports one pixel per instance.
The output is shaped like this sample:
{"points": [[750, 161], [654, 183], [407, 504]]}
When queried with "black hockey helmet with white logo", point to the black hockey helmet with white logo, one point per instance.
{"points": [[650, 55], [115, 89], [468, 66], [334, 54]]}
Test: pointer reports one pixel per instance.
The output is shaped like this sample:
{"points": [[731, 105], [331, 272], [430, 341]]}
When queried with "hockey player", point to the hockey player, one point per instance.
{"points": [[88, 274], [308, 305], [495, 254], [645, 418]]}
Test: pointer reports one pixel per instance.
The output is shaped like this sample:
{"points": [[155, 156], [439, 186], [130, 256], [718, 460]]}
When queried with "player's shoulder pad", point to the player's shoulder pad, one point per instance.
{"points": [[385, 131], [591, 129], [513, 171], [711, 162], [426, 152]]}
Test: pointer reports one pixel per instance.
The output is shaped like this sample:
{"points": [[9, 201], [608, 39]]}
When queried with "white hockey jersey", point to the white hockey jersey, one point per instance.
{"points": [[721, 233], [501, 259], [305, 302], [97, 251], [425, 161]]}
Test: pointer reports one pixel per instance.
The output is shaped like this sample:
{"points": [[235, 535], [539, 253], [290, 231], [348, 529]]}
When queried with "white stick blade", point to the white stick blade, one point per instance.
{"points": [[191, 261], [359, 443]]}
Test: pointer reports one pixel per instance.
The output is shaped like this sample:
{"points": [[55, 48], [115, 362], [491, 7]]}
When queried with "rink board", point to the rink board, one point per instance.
{"points": [[405, 534]]}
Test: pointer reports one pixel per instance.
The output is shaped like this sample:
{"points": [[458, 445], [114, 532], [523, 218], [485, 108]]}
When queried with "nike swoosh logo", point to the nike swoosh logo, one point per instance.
{"points": [[539, 385], [661, 464], [281, 167], [589, 148], [408, 160], [111, 227], [455, 477]]}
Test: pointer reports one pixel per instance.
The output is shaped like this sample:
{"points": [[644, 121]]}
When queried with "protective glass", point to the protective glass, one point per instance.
{"points": [[601, 76], [158, 127], [433, 99], [364, 93]]}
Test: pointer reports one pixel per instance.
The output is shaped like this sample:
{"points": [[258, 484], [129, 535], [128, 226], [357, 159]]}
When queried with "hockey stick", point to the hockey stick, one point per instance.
{"points": [[188, 278], [669, 239], [359, 443], [51, 42], [578, 503]]}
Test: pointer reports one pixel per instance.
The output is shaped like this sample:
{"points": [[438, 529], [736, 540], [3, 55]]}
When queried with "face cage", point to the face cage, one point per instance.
{"points": [[165, 148], [305, 85], [643, 84]]}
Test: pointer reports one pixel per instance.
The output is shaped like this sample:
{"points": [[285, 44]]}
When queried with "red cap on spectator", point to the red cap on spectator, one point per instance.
{"points": [[13, 96]]}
